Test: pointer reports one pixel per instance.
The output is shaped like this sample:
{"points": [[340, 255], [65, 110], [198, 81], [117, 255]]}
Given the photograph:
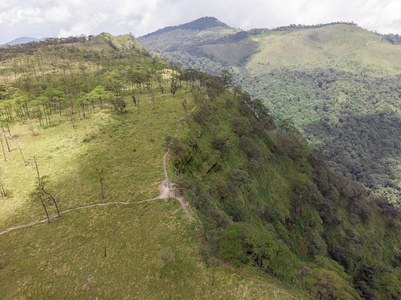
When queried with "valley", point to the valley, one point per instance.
{"points": [[314, 75]]}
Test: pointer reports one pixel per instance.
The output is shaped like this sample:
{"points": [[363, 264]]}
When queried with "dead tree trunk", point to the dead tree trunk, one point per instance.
{"points": [[44, 207], [54, 201], [161, 274], [20, 150], [2, 146], [3, 192], [37, 168], [101, 184], [5, 137]]}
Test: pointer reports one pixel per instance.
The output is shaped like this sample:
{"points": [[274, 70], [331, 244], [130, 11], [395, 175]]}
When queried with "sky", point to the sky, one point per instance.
{"points": [[55, 18]]}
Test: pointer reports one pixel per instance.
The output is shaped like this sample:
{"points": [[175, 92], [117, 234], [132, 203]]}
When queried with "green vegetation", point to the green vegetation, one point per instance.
{"points": [[83, 128], [352, 119], [264, 198], [87, 128], [339, 84]]}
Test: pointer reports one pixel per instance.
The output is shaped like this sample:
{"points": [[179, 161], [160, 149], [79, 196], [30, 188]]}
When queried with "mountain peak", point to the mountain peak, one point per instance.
{"points": [[22, 40], [199, 24], [203, 23]]}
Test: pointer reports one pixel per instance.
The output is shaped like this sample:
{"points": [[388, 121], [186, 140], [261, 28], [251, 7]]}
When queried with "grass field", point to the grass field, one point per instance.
{"points": [[54, 261], [343, 47]]}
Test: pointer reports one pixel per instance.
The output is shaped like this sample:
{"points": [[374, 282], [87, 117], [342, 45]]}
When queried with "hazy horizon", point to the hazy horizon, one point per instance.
{"points": [[48, 18]]}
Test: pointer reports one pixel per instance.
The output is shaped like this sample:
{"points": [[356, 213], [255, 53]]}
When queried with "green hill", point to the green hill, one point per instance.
{"points": [[81, 125], [341, 47], [168, 185], [318, 76]]}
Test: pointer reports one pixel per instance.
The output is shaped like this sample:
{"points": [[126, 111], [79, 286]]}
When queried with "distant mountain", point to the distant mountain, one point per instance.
{"points": [[324, 77], [22, 40], [186, 43], [199, 24], [104, 41]]}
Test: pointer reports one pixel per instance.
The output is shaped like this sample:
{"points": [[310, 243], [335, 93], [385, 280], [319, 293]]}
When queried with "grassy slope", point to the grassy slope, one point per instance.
{"points": [[53, 261], [233, 53], [343, 47]]}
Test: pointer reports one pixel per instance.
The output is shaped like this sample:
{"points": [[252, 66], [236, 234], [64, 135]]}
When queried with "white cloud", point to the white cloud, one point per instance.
{"points": [[53, 17], [57, 14], [75, 30]]}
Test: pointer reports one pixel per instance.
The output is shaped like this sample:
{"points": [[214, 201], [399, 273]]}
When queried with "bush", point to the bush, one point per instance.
{"points": [[119, 104], [238, 177], [242, 126]]}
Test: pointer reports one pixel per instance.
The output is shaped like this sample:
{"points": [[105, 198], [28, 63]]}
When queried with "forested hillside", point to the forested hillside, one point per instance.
{"points": [[125, 177], [86, 210], [263, 197], [338, 83]]}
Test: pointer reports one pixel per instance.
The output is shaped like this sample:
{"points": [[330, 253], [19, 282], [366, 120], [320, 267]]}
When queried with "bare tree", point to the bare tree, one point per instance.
{"points": [[5, 137], [90, 286], [99, 174], [2, 190], [213, 262], [31, 128], [37, 194], [184, 104], [40, 187], [2, 147], [165, 255], [19, 148]]}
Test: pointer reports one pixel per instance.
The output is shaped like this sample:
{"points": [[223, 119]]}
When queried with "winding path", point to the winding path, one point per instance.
{"points": [[166, 191]]}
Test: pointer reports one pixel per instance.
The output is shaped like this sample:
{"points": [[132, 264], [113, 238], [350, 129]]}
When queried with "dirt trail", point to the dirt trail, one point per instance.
{"points": [[77, 208], [167, 191], [167, 186]]}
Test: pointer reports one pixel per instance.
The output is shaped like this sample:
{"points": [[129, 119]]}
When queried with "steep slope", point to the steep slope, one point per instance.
{"points": [[98, 139], [186, 43], [319, 76], [264, 198], [342, 47]]}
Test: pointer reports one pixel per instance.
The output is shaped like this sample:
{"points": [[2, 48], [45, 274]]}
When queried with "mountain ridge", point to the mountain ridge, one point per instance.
{"points": [[308, 73], [198, 24], [22, 40]]}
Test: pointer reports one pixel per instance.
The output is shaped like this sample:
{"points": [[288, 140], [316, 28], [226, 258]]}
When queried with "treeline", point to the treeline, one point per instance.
{"points": [[395, 39], [28, 48], [292, 27], [265, 198]]}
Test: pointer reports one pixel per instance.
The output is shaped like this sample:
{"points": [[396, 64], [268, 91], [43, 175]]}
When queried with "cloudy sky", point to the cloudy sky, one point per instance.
{"points": [[55, 18]]}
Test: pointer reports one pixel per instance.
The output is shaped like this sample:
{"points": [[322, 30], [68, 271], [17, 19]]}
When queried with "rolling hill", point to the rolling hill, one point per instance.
{"points": [[319, 76], [123, 177], [75, 134]]}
